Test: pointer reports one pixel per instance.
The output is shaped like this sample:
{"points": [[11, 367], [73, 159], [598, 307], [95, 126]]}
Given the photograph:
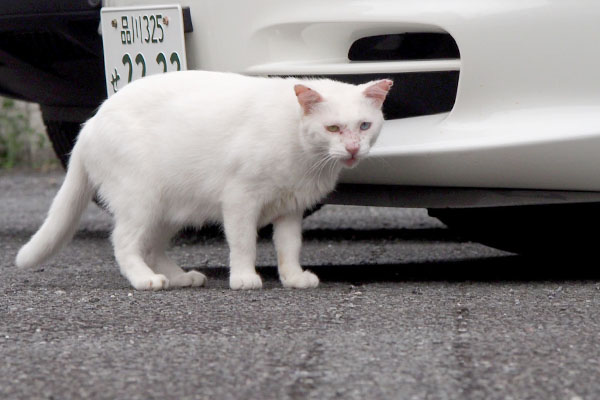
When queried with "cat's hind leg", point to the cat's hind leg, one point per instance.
{"points": [[176, 275], [162, 264], [130, 243], [287, 236]]}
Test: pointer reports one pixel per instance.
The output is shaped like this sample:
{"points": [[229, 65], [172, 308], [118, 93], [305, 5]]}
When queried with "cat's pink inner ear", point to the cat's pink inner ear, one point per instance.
{"points": [[378, 91], [307, 98]]}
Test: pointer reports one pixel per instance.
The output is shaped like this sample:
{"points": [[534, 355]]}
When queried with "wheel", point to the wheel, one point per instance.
{"points": [[544, 230], [63, 135]]}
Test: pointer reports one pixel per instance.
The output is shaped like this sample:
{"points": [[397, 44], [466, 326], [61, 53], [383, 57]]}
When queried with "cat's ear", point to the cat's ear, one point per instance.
{"points": [[378, 90], [307, 98]]}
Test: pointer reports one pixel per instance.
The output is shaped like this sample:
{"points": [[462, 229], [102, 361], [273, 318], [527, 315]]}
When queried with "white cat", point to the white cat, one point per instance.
{"points": [[185, 148]]}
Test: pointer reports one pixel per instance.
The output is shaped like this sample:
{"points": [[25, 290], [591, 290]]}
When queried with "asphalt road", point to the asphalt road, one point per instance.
{"points": [[405, 310]]}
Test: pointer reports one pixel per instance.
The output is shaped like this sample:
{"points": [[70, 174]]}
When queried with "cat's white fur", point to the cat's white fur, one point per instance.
{"points": [[185, 148]]}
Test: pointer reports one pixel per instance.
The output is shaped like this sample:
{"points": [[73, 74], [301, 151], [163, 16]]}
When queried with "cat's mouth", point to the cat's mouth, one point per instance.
{"points": [[350, 162]]}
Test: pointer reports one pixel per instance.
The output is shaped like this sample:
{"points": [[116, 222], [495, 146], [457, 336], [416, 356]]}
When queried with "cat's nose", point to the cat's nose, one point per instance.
{"points": [[352, 149]]}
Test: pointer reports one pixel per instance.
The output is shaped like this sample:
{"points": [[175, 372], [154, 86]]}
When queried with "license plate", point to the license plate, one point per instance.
{"points": [[141, 41]]}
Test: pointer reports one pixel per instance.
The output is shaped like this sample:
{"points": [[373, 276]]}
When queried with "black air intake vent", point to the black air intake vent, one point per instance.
{"points": [[404, 47], [428, 88], [425, 68], [413, 94]]}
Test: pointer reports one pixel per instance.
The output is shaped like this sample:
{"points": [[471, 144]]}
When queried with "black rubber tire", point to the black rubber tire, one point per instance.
{"points": [[63, 136], [545, 230]]}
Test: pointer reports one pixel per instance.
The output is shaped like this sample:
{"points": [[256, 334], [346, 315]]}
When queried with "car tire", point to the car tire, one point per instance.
{"points": [[63, 135], [543, 230]]}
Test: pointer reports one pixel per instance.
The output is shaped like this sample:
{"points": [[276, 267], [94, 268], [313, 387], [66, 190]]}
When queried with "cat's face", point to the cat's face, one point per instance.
{"points": [[341, 121]]}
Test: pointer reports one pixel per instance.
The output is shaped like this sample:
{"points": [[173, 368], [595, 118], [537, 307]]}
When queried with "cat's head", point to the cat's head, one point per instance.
{"points": [[339, 119]]}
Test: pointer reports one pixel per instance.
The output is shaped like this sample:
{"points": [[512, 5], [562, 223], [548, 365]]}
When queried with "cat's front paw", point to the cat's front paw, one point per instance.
{"points": [[245, 281], [301, 280], [152, 282], [188, 279]]}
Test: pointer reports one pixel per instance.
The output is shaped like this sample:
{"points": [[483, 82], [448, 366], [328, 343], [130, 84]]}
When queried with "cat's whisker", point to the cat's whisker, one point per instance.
{"points": [[313, 168], [316, 166], [332, 167], [327, 161]]}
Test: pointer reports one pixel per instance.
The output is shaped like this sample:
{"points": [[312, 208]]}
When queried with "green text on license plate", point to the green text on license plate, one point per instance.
{"points": [[140, 41]]}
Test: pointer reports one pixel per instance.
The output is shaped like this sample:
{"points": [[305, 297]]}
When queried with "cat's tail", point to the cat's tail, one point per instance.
{"points": [[63, 216]]}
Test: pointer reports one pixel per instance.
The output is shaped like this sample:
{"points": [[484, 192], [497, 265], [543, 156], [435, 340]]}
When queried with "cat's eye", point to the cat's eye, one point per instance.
{"points": [[333, 128], [364, 126]]}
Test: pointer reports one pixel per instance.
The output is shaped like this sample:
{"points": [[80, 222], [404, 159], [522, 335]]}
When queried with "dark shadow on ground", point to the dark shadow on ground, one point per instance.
{"points": [[511, 268]]}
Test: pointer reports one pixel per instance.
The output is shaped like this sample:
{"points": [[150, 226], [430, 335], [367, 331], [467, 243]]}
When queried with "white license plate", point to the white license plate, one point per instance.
{"points": [[140, 41]]}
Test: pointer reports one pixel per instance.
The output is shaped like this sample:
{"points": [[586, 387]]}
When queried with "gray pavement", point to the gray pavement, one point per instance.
{"points": [[405, 310]]}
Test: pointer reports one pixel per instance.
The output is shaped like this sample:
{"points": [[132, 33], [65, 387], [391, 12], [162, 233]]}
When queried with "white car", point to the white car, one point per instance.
{"points": [[494, 120]]}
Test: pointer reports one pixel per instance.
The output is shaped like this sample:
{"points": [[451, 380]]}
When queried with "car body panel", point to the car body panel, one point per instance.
{"points": [[527, 111]]}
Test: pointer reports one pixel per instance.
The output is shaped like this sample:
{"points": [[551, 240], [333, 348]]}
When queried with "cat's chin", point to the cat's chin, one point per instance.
{"points": [[350, 162]]}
